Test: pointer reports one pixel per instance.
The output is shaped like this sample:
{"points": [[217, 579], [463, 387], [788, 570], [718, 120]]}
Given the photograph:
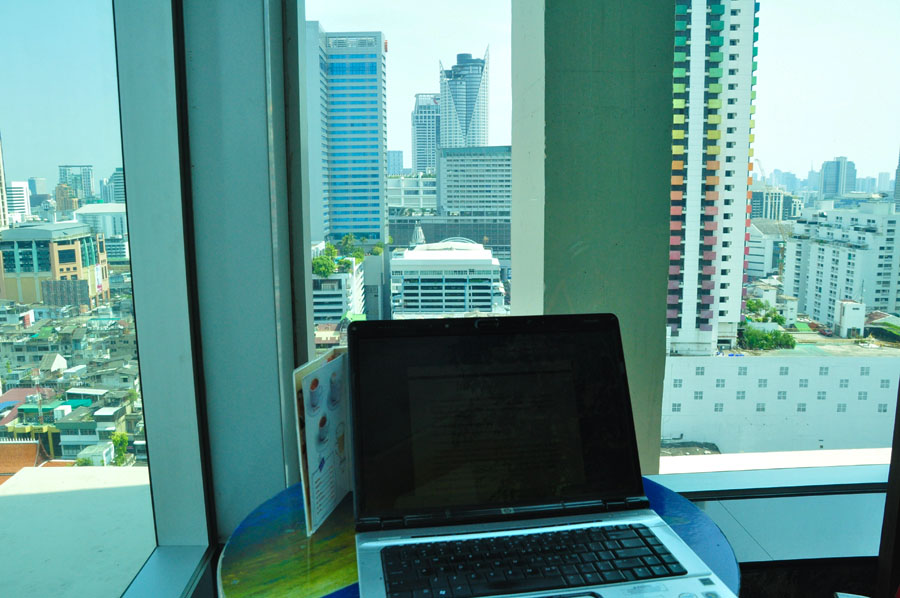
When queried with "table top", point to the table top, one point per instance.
{"points": [[270, 555]]}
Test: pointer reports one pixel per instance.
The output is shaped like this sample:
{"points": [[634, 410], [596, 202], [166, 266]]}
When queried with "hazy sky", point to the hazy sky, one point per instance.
{"points": [[827, 79]]}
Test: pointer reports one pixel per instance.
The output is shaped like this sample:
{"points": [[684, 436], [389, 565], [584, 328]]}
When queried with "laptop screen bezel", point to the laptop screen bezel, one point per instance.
{"points": [[606, 324]]}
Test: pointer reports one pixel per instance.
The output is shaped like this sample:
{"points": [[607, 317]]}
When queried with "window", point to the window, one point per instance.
{"points": [[845, 382], [720, 382], [842, 407], [677, 382], [882, 407], [762, 383], [760, 407], [676, 407], [783, 370], [742, 370], [823, 370], [698, 395], [801, 407], [718, 407], [863, 395], [864, 370], [820, 395], [885, 383], [782, 395], [740, 395], [699, 370]]}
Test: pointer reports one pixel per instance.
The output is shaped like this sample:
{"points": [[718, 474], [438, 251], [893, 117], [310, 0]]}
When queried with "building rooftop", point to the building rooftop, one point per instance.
{"points": [[773, 227], [102, 208], [46, 231], [14, 455], [451, 250]]}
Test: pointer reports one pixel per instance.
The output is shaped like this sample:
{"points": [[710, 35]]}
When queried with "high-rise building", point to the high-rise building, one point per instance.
{"points": [[838, 177], [713, 79], [66, 200], [769, 203], [18, 201], [897, 182], [394, 162], [38, 186], [840, 254], [117, 186], [464, 102], [866, 184], [4, 214], [475, 181], [426, 131], [79, 178], [346, 133]]}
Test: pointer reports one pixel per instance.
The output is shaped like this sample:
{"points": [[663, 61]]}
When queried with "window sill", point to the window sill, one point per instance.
{"points": [[791, 513]]}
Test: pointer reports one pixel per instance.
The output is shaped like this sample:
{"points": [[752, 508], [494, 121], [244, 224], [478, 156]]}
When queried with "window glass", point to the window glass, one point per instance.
{"points": [[782, 255], [71, 401], [436, 95]]}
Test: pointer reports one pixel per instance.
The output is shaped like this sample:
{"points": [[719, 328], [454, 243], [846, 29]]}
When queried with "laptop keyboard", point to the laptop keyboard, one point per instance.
{"points": [[526, 563]]}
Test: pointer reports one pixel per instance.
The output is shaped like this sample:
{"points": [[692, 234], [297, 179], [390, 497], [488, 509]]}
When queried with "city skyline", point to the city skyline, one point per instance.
{"points": [[40, 134]]}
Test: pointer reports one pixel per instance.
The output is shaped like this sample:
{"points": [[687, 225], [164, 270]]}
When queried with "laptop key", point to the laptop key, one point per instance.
{"points": [[592, 578], [631, 542], [613, 576], [676, 569], [659, 570], [423, 593], [461, 590], [642, 572], [626, 553], [575, 580]]}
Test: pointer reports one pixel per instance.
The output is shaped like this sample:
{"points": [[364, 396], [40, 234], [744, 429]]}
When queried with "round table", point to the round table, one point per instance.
{"points": [[270, 555]]}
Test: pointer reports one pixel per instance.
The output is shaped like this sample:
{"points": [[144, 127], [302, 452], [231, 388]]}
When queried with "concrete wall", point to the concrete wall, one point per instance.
{"points": [[741, 427], [590, 211]]}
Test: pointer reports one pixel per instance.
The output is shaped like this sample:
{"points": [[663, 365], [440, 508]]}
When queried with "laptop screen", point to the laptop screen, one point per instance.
{"points": [[496, 413]]}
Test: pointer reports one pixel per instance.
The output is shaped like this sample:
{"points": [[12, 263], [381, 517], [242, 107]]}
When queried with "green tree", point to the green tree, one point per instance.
{"points": [[120, 442], [347, 244], [323, 266], [358, 254], [330, 250], [760, 340], [131, 396], [378, 249], [82, 462], [345, 266]]}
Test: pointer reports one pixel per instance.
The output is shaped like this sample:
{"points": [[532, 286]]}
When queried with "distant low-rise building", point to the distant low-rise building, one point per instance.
{"points": [[339, 293], [55, 263], [453, 276]]}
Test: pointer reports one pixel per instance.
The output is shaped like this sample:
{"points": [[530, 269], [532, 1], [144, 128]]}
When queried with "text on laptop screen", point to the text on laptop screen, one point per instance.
{"points": [[492, 419]]}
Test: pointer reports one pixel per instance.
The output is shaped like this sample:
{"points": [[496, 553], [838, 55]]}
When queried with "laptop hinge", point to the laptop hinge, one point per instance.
{"points": [[637, 502], [368, 524]]}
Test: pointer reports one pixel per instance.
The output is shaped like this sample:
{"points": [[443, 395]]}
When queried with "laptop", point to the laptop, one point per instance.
{"points": [[497, 457]]}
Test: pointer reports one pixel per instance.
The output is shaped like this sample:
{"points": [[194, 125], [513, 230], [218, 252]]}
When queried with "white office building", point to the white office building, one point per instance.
{"points": [[340, 293], [844, 254], [713, 80], [454, 276], [475, 181], [346, 117], [464, 102], [426, 130], [417, 192], [4, 214], [116, 186], [809, 398], [765, 246], [18, 201], [106, 218]]}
